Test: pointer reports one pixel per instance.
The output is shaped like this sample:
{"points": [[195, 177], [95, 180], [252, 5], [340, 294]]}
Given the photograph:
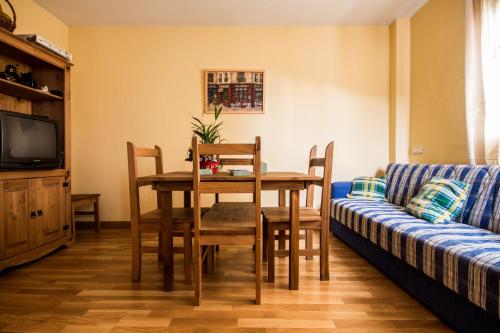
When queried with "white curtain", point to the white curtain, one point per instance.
{"points": [[482, 77]]}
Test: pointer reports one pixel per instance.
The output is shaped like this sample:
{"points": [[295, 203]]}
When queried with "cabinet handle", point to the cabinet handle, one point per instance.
{"points": [[33, 215], [40, 212]]}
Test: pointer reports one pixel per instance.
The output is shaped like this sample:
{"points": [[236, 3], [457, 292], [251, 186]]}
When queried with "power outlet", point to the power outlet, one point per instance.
{"points": [[416, 150]]}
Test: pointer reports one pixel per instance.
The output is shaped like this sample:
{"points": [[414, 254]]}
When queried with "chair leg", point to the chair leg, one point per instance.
{"points": [[264, 241], [324, 263], [97, 219], [270, 252], [282, 240], [210, 259], [188, 254], [258, 269], [136, 252], [160, 246], [197, 273], [309, 243]]}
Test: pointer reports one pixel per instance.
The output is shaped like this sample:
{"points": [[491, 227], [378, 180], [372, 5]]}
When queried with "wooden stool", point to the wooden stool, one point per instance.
{"points": [[83, 200]]}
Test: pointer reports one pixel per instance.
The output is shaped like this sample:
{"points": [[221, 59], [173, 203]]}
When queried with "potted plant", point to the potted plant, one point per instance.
{"points": [[207, 133]]}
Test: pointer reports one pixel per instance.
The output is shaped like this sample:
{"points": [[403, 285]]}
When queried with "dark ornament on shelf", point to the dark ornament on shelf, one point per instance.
{"points": [[11, 74], [56, 92], [6, 22], [27, 79]]}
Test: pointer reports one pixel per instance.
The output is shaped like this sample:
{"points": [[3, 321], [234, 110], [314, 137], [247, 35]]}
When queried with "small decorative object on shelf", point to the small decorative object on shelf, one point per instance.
{"points": [[45, 43], [6, 22], [10, 74], [208, 134], [27, 79], [56, 92]]}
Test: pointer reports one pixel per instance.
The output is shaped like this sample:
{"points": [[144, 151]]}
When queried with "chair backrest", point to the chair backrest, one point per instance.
{"points": [[133, 153], [222, 182], [326, 164], [233, 161], [312, 172]]}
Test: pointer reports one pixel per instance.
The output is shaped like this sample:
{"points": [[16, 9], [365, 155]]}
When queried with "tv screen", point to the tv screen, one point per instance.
{"points": [[30, 138]]}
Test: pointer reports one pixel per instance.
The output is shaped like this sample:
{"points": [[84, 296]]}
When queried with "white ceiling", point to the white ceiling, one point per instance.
{"points": [[230, 12]]}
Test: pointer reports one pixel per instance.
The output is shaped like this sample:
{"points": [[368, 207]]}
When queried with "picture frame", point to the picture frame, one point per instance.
{"points": [[237, 91]]}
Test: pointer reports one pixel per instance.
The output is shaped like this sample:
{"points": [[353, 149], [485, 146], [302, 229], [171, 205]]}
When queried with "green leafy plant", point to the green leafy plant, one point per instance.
{"points": [[207, 133]]}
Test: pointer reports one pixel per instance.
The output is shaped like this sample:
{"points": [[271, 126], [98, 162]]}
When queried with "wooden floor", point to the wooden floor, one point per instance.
{"points": [[87, 288]]}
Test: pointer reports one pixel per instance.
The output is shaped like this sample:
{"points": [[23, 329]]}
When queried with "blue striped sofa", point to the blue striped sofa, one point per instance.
{"points": [[453, 268]]}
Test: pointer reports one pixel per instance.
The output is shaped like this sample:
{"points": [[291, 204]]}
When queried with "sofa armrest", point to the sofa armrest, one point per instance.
{"points": [[341, 189]]}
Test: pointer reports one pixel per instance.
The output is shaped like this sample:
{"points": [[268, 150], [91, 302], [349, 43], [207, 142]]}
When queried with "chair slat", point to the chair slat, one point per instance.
{"points": [[226, 149], [227, 187], [236, 161], [317, 162], [146, 152]]}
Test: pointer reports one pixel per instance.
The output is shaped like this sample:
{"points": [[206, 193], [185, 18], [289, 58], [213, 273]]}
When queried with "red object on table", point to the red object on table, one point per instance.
{"points": [[213, 165]]}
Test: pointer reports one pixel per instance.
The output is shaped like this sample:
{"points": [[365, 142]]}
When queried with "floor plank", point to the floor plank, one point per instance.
{"points": [[87, 288]]}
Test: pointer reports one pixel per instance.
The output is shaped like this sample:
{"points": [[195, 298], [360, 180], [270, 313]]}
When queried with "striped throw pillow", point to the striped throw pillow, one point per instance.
{"points": [[368, 188], [439, 200]]}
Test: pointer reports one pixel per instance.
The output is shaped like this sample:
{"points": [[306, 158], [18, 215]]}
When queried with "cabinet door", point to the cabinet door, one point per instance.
{"points": [[15, 217], [52, 208]]}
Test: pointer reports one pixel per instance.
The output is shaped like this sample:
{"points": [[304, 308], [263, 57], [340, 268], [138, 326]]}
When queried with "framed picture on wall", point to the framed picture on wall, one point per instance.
{"points": [[236, 91]]}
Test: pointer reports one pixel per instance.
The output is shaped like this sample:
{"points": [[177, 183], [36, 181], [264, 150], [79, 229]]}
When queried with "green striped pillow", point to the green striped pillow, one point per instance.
{"points": [[439, 200], [372, 188]]}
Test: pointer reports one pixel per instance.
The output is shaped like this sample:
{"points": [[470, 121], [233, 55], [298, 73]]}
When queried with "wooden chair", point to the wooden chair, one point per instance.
{"points": [[227, 223], [310, 218], [150, 221]]}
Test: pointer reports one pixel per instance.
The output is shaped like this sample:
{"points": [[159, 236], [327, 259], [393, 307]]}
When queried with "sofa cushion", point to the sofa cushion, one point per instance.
{"points": [[464, 258], [368, 188], [405, 180], [439, 200]]}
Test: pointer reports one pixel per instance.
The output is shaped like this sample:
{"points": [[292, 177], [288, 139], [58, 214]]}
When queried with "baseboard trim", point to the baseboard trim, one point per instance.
{"points": [[84, 225]]}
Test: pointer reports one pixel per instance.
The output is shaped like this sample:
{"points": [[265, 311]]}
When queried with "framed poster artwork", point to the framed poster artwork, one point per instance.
{"points": [[236, 91]]}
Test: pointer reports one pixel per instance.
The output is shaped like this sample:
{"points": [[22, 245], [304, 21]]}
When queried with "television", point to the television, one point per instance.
{"points": [[28, 142]]}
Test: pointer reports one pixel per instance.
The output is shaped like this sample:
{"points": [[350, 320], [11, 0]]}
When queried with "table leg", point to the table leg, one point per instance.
{"points": [[293, 265], [167, 248]]}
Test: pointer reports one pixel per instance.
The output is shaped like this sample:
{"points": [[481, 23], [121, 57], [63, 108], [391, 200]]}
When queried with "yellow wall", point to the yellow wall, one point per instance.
{"points": [[143, 84], [31, 18], [437, 117]]}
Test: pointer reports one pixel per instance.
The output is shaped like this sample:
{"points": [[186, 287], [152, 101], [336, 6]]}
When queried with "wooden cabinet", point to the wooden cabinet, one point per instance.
{"points": [[51, 208], [33, 214], [35, 205], [15, 207]]}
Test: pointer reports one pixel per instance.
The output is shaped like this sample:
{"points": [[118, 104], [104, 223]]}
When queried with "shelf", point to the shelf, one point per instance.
{"points": [[29, 53], [18, 90], [6, 175]]}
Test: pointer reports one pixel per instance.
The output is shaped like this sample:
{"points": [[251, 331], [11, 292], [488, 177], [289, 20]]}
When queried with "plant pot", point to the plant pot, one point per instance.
{"points": [[210, 164]]}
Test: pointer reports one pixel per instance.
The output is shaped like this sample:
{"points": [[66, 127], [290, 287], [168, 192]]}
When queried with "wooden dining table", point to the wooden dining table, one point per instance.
{"points": [[170, 182]]}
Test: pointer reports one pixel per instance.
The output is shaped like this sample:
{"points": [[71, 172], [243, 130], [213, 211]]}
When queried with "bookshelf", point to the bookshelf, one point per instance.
{"points": [[35, 205]]}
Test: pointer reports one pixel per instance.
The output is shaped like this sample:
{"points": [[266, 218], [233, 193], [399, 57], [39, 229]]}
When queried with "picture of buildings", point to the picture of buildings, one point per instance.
{"points": [[236, 91]]}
